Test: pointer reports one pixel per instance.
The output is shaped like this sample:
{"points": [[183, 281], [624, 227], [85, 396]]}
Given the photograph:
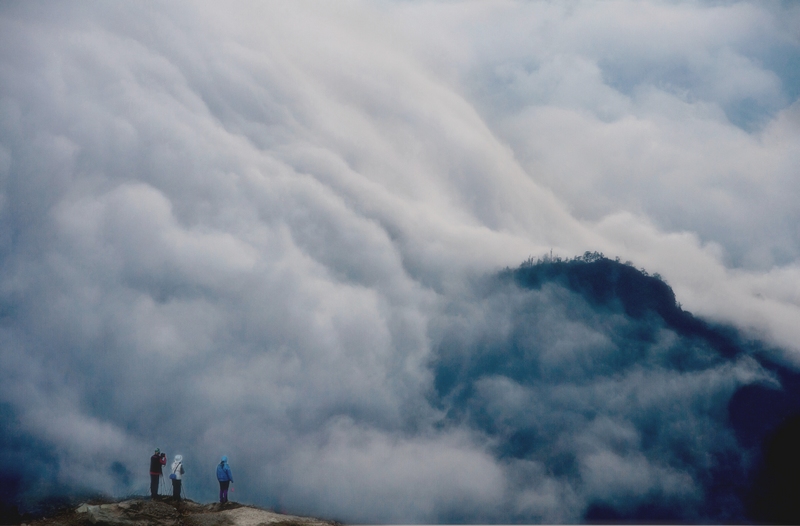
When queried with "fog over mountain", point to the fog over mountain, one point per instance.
{"points": [[291, 234]]}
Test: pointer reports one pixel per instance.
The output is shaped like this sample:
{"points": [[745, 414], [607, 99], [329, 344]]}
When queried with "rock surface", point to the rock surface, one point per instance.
{"points": [[166, 512]]}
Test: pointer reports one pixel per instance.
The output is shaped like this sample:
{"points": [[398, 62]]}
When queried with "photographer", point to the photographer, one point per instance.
{"points": [[156, 461]]}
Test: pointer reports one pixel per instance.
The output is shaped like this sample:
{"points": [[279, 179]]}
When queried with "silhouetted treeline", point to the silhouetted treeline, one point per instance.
{"points": [[609, 283]]}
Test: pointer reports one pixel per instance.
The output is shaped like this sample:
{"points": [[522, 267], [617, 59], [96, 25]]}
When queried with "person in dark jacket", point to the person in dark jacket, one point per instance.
{"points": [[225, 479], [156, 461]]}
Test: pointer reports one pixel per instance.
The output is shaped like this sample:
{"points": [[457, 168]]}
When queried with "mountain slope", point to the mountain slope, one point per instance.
{"points": [[592, 384]]}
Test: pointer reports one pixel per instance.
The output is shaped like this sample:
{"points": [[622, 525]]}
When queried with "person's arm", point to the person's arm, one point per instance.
{"points": [[163, 459]]}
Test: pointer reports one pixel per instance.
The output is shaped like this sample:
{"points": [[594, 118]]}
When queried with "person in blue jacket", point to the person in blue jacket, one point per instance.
{"points": [[225, 479]]}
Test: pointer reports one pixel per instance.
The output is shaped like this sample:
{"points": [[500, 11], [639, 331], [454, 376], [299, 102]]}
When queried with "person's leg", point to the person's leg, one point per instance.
{"points": [[224, 488], [220, 490], [153, 485]]}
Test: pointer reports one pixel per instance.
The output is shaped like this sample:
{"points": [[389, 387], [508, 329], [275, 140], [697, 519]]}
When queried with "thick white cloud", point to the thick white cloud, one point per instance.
{"points": [[232, 228]]}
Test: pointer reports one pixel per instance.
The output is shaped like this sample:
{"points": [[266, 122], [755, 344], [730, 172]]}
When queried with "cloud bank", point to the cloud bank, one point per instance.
{"points": [[270, 231]]}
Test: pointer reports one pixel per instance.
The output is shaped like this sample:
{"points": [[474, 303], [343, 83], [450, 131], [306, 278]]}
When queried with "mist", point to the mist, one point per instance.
{"points": [[291, 234]]}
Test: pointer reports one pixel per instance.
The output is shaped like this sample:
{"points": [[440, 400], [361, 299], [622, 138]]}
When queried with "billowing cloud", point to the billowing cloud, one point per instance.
{"points": [[274, 231]]}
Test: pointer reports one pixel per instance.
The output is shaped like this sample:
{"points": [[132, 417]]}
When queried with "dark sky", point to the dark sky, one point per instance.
{"points": [[273, 232]]}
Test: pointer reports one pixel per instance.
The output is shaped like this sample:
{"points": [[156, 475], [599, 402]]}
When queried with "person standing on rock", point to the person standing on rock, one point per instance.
{"points": [[225, 479], [156, 461], [177, 476]]}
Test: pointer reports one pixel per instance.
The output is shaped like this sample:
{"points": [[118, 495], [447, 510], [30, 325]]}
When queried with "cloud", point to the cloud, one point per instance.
{"points": [[419, 477], [630, 106], [270, 231]]}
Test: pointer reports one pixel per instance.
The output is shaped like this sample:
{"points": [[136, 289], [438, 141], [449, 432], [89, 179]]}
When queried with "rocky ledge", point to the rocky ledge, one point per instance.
{"points": [[167, 512]]}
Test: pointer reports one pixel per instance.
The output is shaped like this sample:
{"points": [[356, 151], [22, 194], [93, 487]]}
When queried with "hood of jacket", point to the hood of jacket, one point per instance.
{"points": [[224, 460]]}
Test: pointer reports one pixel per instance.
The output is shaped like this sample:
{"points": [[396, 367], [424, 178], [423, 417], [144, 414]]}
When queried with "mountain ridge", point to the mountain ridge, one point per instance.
{"points": [[579, 348]]}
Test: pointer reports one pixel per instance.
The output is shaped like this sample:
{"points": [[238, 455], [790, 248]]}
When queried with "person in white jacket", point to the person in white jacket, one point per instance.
{"points": [[176, 474]]}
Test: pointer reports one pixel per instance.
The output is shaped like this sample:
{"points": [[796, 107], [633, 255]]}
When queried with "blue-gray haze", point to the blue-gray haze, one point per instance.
{"points": [[277, 231]]}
